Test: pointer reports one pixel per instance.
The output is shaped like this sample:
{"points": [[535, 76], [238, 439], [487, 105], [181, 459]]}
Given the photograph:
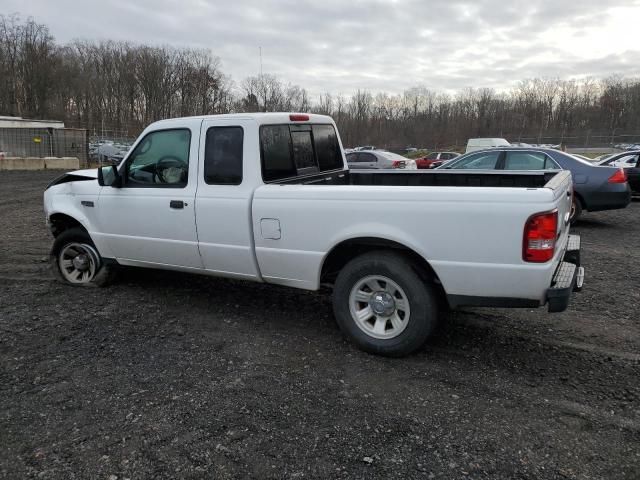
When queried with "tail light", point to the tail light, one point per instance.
{"points": [[539, 240], [619, 177], [398, 164]]}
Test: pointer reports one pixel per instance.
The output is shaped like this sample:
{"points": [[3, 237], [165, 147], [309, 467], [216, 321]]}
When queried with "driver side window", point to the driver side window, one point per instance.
{"points": [[161, 159]]}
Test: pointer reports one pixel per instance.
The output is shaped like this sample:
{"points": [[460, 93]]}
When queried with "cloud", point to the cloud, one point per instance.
{"points": [[378, 45]]}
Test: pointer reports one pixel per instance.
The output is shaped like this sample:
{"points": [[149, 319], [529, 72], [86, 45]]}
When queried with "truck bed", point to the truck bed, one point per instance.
{"points": [[427, 178]]}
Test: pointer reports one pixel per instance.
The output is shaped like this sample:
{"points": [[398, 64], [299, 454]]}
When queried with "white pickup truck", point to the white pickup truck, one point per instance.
{"points": [[269, 198]]}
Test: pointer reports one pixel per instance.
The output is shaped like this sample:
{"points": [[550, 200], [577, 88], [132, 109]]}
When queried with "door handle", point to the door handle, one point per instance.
{"points": [[176, 204]]}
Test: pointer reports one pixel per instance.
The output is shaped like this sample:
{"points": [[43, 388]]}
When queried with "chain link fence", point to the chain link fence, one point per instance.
{"points": [[44, 142]]}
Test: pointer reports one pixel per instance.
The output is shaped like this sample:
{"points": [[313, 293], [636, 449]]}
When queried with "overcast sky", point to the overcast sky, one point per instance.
{"points": [[379, 45]]}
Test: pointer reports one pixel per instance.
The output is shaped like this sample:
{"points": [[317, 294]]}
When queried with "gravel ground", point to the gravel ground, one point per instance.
{"points": [[165, 375]]}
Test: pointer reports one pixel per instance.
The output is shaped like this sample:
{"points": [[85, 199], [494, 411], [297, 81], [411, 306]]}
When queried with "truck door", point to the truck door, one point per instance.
{"points": [[151, 218], [229, 160]]}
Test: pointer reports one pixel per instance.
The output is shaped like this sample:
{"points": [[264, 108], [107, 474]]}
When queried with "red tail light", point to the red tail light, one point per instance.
{"points": [[398, 164], [539, 240], [619, 177], [299, 117]]}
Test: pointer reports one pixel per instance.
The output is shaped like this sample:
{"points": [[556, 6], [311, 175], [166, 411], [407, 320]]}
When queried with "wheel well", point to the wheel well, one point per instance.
{"points": [[342, 253], [59, 222], [580, 199]]}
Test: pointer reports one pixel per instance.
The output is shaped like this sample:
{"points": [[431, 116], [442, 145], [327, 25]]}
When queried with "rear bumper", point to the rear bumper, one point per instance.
{"points": [[567, 278], [617, 196]]}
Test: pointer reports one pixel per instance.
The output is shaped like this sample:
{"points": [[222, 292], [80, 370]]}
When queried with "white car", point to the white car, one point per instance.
{"points": [[269, 198], [475, 144], [379, 159]]}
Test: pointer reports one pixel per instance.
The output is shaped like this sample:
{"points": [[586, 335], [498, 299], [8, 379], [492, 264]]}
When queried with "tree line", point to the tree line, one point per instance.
{"points": [[125, 86]]}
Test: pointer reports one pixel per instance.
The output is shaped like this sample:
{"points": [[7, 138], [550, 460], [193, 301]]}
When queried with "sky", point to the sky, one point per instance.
{"points": [[379, 45]]}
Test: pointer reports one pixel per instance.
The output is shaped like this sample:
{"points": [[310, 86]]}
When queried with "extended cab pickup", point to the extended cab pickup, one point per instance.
{"points": [[269, 198]]}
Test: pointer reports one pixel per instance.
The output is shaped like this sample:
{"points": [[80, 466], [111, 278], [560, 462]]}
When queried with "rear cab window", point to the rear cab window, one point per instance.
{"points": [[295, 150]]}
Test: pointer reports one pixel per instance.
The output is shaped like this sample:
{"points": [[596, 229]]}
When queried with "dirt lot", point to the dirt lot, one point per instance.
{"points": [[165, 375]]}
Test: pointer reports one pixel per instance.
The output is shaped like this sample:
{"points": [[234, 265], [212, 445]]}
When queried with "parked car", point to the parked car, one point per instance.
{"points": [[630, 161], [475, 144], [625, 159], [435, 159], [603, 157], [379, 159], [269, 198], [595, 187]]}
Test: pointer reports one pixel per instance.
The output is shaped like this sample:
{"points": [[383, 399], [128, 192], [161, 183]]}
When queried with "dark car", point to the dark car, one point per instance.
{"points": [[435, 159], [630, 161], [595, 187]]}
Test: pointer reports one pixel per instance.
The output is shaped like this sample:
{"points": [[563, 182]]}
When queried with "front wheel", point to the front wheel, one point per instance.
{"points": [[75, 260], [382, 305]]}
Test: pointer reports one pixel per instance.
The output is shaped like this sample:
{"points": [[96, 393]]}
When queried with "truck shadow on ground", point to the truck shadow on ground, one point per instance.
{"points": [[592, 223], [473, 339]]}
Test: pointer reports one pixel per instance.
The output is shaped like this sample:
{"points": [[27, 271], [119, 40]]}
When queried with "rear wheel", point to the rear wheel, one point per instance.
{"points": [[75, 260], [576, 210], [382, 305]]}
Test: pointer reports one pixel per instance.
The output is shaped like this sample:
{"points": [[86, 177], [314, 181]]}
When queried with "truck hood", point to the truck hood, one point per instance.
{"points": [[88, 173], [75, 176]]}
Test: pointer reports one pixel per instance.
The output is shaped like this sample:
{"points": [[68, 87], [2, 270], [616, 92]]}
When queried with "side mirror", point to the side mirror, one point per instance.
{"points": [[109, 177]]}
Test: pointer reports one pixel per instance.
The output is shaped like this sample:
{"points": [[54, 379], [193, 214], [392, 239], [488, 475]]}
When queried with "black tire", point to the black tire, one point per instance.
{"points": [[104, 274], [576, 210], [423, 303]]}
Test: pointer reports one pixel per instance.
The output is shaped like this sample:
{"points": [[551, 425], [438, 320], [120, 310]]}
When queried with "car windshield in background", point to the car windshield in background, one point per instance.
{"points": [[393, 156]]}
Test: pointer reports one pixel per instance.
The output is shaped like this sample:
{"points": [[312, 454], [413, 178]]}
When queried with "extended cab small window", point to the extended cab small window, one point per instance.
{"points": [[223, 156], [161, 159], [291, 150]]}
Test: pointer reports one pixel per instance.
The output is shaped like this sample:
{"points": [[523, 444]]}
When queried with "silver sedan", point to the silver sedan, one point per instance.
{"points": [[379, 159]]}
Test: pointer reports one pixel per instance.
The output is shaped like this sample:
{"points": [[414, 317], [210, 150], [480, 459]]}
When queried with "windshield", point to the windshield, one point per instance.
{"points": [[581, 160]]}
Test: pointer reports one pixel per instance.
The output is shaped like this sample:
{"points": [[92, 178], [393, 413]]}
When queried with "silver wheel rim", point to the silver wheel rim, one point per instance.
{"points": [[78, 262], [379, 307]]}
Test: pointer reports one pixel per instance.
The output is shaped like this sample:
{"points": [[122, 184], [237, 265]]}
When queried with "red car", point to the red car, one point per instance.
{"points": [[435, 159]]}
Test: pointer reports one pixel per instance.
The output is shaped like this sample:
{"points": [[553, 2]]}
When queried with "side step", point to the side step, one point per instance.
{"points": [[572, 254], [564, 282]]}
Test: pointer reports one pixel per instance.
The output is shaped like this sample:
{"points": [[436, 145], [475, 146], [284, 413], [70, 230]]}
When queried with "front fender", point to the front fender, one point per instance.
{"points": [[77, 200]]}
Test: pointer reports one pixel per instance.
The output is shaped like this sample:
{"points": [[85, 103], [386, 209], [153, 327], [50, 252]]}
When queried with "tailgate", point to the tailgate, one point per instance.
{"points": [[562, 187]]}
